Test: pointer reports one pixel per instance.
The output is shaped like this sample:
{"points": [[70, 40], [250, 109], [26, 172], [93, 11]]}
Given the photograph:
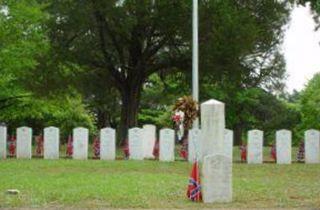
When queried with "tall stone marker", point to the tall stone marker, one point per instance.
{"points": [[24, 139], [217, 166], [312, 147], [107, 144], [212, 127], [51, 143], [149, 139], [228, 143], [166, 145], [194, 144], [136, 151], [255, 147], [80, 143], [217, 181], [283, 146], [3, 142]]}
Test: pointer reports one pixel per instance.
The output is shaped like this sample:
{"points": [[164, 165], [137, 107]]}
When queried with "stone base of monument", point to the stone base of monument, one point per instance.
{"points": [[216, 179]]}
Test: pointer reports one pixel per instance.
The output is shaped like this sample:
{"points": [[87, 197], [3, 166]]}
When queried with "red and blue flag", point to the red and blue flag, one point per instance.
{"points": [[194, 187]]}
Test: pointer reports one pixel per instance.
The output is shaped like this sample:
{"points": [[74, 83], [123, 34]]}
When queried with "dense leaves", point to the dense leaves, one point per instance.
{"points": [[124, 63], [310, 101], [23, 46]]}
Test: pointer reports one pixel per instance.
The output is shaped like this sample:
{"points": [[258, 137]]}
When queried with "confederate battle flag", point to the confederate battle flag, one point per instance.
{"points": [[194, 188]]}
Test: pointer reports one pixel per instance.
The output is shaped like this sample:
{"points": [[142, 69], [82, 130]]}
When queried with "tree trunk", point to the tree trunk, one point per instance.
{"points": [[129, 110], [103, 118], [238, 134]]}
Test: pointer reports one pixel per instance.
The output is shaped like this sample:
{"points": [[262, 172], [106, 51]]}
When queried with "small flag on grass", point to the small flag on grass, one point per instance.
{"points": [[156, 149], [69, 150], [194, 188], [126, 149]]}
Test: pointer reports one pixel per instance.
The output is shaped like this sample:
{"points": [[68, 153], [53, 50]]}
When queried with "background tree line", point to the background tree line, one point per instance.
{"points": [[124, 63]]}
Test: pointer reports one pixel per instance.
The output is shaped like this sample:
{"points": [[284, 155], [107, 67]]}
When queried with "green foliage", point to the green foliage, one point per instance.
{"points": [[310, 104], [22, 36], [22, 42], [23, 46], [254, 108], [129, 56], [65, 113], [159, 94], [240, 43]]}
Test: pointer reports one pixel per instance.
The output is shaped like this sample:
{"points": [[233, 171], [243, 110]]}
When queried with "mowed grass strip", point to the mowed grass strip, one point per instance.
{"points": [[149, 184]]}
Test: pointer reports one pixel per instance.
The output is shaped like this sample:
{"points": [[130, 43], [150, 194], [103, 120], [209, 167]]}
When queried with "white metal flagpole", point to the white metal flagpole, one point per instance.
{"points": [[195, 57]]}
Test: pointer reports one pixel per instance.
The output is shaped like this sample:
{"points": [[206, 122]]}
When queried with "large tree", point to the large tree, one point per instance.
{"points": [[121, 43], [310, 104], [240, 53], [22, 42], [126, 41], [23, 46]]}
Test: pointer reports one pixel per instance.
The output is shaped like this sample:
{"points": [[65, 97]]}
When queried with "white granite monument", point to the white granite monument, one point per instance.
{"points": [[194, 144], [217, 179], [312, 146], [283, 146], [228, 143], [136, 151], [166, 145], [3, 142], [217, 165], [51, 143], [255, 147], [107, 144], [149, 139], [24, 142], [212, 127], [80, 143]]}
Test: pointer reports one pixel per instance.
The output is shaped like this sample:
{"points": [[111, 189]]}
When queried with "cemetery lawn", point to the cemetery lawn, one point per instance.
{"points": [[149, 184]]}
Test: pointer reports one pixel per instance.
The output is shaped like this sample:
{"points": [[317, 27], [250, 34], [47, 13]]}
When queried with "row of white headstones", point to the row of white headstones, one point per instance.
{"points": [[212, 146], [255, 145], [141, 142]]}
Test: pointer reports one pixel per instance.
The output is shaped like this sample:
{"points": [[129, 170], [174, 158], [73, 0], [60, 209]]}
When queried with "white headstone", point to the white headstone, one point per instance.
{"points": [[255, 147], [24, 139], [194, 144], [80, 143], [217, 165], [149, 139], [216, 179], [136, 144], [3, 142], [107, 144], [166, 145], [312, 147], [212, 127], [51, 143], [283, 146], [228, 143]]}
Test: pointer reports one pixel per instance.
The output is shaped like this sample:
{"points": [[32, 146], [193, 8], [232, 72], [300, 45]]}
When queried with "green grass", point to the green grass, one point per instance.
{"points": [[150, 184]]}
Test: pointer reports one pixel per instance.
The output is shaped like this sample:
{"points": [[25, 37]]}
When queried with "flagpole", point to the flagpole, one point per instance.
{"points": [[195, 57]]}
